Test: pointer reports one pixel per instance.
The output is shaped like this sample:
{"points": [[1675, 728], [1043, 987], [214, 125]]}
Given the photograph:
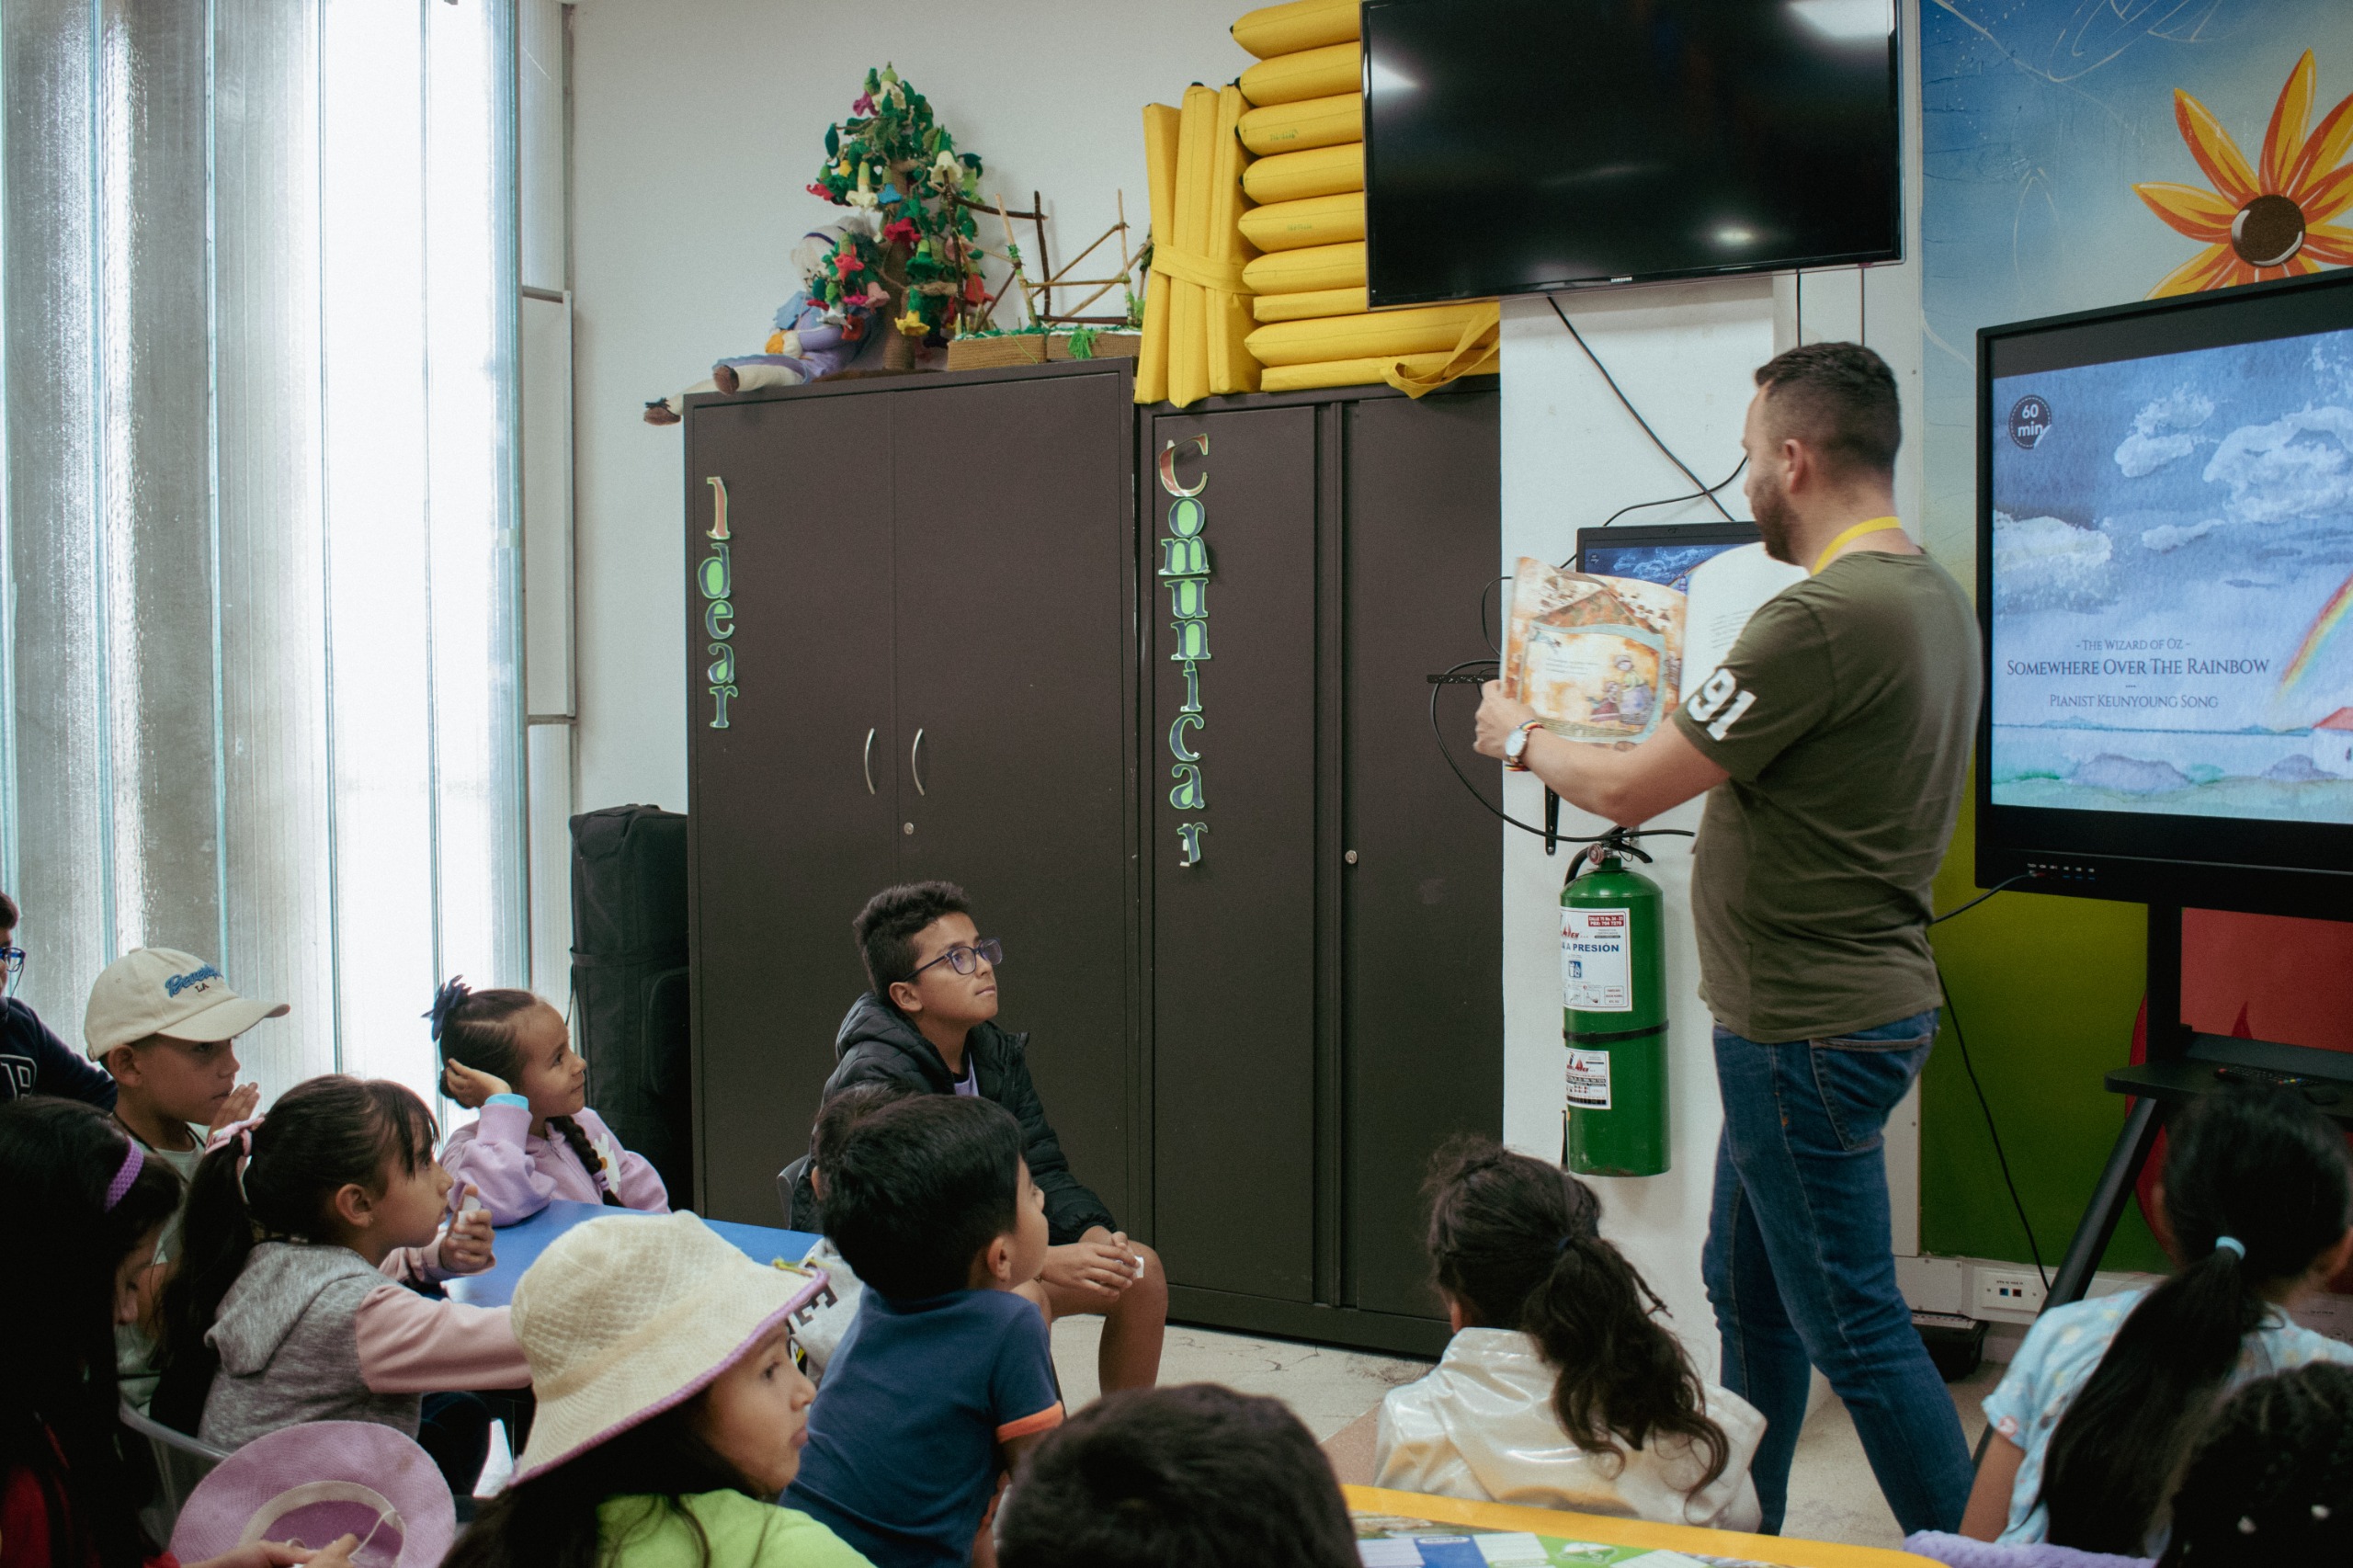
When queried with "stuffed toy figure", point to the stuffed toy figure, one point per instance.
{"points": [[818, 331]]}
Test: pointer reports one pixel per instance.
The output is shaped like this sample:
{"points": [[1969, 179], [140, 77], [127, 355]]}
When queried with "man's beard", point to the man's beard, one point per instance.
{"points": [[1775, 523]]}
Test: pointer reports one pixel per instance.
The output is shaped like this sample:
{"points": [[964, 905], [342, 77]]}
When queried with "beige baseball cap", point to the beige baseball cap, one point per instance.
{"points": [[150, 991]]}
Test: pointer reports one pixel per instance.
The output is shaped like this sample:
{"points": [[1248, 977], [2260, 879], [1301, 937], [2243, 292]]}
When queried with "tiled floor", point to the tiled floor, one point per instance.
{"points": [[1832, 1494]]}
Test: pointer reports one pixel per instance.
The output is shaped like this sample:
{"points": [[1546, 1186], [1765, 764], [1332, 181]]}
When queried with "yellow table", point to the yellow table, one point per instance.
{"points": [[1559, 1524]]}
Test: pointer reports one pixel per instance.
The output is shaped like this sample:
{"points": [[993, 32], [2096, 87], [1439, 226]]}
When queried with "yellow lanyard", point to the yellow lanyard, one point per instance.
{"points": [[1868, 526]]}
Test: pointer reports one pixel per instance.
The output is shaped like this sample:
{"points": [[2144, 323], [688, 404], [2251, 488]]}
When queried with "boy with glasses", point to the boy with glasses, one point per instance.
{"points": [[33, 1060], [929, 1023]]}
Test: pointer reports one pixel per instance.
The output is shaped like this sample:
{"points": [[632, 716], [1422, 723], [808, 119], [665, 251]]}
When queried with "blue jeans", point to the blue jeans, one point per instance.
{"points": [[1800, 1270]]}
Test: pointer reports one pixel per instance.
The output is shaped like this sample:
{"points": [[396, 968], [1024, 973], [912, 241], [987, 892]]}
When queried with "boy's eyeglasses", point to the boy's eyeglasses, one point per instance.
{"points": [[965, 959], [13, 960]]}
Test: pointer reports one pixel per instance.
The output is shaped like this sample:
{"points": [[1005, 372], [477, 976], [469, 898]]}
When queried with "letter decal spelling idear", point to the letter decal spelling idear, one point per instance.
{"points": [[1185, 567], [715, 576]]}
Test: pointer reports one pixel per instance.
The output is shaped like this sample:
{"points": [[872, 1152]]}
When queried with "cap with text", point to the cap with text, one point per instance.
{"points": [[162, 991]]}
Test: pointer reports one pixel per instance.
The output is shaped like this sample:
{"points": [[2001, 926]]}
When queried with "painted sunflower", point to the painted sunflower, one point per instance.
{"points": [[2270, 219]]}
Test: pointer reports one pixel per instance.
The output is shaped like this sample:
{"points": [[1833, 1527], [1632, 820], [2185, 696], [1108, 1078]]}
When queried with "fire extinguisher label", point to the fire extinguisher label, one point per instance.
{"points": [[1588, 1080], [1595, 967]]}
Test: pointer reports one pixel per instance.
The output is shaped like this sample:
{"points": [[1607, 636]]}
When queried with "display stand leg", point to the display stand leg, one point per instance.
{"points": [[2116, 1179]]}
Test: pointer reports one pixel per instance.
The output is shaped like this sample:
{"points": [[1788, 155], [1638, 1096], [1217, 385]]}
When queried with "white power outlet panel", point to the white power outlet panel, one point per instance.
{"points": [[2007, 1294]]}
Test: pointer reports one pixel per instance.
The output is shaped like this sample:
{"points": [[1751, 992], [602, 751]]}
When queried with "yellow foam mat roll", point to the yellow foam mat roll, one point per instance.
{"points": [[1360, 372], [1230, 367], [1310, 122], [1294, 176], [1305, 73], [1189, 339], [1316, 221], [1303, 24], [1299, 271], [1315, 303], [1424, 329], [1160, 131]]}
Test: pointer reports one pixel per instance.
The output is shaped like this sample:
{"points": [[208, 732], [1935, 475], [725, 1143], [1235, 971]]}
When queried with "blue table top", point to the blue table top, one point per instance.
{"points": [[518, 1245]]}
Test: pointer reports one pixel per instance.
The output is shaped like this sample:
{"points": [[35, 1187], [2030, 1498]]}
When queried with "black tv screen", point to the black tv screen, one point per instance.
{"points": [[1514, 146], [2165, 554]]}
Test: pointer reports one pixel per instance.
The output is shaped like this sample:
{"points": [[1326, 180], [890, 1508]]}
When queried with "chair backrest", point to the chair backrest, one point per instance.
{"points": [[180, 1462]]}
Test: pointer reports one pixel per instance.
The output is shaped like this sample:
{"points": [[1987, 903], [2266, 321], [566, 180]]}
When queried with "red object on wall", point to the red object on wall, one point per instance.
{"points": [[2257, 977]]}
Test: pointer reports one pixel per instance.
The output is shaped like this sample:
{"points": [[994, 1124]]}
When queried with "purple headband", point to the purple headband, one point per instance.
{"points": [[132, 1158]]}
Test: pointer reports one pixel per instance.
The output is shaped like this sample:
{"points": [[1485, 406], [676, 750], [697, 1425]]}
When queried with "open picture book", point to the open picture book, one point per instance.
{"points": [[1605, 658]]}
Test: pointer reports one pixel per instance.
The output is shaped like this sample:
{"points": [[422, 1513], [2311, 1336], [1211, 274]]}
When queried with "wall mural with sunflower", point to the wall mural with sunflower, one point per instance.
{"points": [[2079, 154]]}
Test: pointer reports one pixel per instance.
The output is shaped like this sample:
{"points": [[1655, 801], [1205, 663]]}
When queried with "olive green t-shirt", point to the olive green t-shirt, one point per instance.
{"points": [[1844, 714]]}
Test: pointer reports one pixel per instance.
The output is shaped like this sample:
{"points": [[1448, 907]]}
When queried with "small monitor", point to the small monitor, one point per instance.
{"points": [[2166, 581], [1658, 553]]}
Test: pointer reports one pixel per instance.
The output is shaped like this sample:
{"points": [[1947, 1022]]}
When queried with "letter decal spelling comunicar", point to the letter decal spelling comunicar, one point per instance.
{"points": [[714, 574], [1185, 567]]}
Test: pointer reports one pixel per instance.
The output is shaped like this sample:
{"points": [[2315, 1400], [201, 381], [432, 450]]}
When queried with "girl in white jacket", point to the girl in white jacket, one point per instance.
{"points": [[1559, 1388]]}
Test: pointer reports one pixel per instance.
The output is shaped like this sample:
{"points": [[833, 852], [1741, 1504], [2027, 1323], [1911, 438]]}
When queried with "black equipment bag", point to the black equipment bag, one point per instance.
{"points": [[629, 983]]}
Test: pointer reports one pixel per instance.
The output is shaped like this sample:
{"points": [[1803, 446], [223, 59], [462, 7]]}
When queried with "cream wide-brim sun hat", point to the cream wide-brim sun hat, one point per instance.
{"points": [[626, 1317]]}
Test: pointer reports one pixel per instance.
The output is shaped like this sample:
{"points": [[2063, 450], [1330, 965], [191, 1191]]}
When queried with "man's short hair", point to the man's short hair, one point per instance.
{"points": [[841, 1114], [887, 927], [919, 1190], [1840, 400], [10, 916], [1175, 1478]]}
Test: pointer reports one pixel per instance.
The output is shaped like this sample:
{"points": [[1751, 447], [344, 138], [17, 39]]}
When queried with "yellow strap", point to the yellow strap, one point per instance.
{"points": [[1192, 267], [1473, 351], [1868, 526]]}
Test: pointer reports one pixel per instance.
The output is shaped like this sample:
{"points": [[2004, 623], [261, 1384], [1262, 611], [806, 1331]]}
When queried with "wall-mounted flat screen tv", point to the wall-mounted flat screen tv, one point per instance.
{"points": [[2164, 572], [1517, 146]]}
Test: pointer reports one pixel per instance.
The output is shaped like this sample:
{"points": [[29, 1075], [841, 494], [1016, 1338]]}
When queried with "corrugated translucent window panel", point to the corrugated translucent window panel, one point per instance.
{"points": [[257, 345], [273, 565], [56, 806]]}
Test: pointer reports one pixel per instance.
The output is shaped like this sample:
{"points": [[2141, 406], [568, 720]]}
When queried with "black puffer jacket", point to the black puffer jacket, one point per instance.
{"points": [[878, 1042]]}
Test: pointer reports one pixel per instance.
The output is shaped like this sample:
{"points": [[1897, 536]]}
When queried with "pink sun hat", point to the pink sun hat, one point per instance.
{"points": [[313, 1485]]}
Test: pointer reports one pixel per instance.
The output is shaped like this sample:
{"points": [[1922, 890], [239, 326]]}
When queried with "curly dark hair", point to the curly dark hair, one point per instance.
{"points": [[886, 928], [2272, 1480]]}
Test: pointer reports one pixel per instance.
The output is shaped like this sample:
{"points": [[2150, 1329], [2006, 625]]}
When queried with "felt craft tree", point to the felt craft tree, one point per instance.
{"points": [[891, 158]]}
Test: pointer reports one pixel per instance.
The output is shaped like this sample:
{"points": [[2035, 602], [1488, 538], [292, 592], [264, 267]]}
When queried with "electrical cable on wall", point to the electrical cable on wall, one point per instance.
{"points": [[1628, 404]]}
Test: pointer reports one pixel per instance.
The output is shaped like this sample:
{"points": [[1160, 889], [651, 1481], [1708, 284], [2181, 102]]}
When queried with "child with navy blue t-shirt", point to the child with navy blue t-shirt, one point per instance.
{"points": [[946, 1376]]}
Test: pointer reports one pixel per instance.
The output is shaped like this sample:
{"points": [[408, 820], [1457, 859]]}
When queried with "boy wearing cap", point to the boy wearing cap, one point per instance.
{"points": [[163, 1023], [946, 1376]]}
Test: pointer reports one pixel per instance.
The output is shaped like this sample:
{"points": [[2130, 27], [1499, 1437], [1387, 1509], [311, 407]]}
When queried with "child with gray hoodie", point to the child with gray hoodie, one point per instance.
{"points": [[283, 1311]]}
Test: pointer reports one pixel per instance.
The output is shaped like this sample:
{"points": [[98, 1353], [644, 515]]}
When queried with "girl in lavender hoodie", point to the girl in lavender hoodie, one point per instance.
{"points": [[509, 1053]]}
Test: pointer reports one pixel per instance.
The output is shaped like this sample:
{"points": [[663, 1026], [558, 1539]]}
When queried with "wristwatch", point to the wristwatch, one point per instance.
{"points": [[1515, 745]]}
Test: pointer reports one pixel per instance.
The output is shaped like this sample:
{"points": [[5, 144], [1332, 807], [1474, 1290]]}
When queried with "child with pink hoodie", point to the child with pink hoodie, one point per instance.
{"points": [[508, 1052]]}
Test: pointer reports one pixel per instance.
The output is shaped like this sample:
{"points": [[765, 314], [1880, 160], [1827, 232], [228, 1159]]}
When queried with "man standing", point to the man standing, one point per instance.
{"points": [[1832, 744]]}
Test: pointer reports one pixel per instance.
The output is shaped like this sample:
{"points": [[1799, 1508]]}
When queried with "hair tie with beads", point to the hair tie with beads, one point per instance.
{"points": [[445, 1001]]}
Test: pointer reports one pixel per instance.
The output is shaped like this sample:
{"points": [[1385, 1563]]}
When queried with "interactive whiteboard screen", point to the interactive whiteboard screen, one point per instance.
{"points": [[2172, 576]]}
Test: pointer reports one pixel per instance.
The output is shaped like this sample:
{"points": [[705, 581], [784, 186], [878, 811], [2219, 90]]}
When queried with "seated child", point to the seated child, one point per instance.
{"points": [[509, 1055], [2105, 1397], [81, 1202], [2272, 1480], [33, 1060], [822, 1333], [304, 1325], [1175, 1478], [1560, 1388], [164, 1024], [929, 1023], [669, 1410], [946, 1376]]}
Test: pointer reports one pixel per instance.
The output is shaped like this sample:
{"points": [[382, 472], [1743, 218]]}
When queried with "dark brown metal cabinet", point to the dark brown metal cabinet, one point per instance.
{"points": [[1326, 954], [953, 641], [930, 621]]}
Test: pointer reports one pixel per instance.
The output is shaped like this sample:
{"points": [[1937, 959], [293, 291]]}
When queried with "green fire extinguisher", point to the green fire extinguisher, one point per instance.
{"points": [[1613, 1018]]}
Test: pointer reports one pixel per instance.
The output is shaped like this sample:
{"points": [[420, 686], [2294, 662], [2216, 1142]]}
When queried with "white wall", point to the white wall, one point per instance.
{"points": [[696, 125]]}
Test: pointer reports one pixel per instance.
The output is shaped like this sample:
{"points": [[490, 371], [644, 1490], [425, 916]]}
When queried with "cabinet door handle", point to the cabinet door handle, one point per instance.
{"points": [[915, 762], [866, 761]]}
